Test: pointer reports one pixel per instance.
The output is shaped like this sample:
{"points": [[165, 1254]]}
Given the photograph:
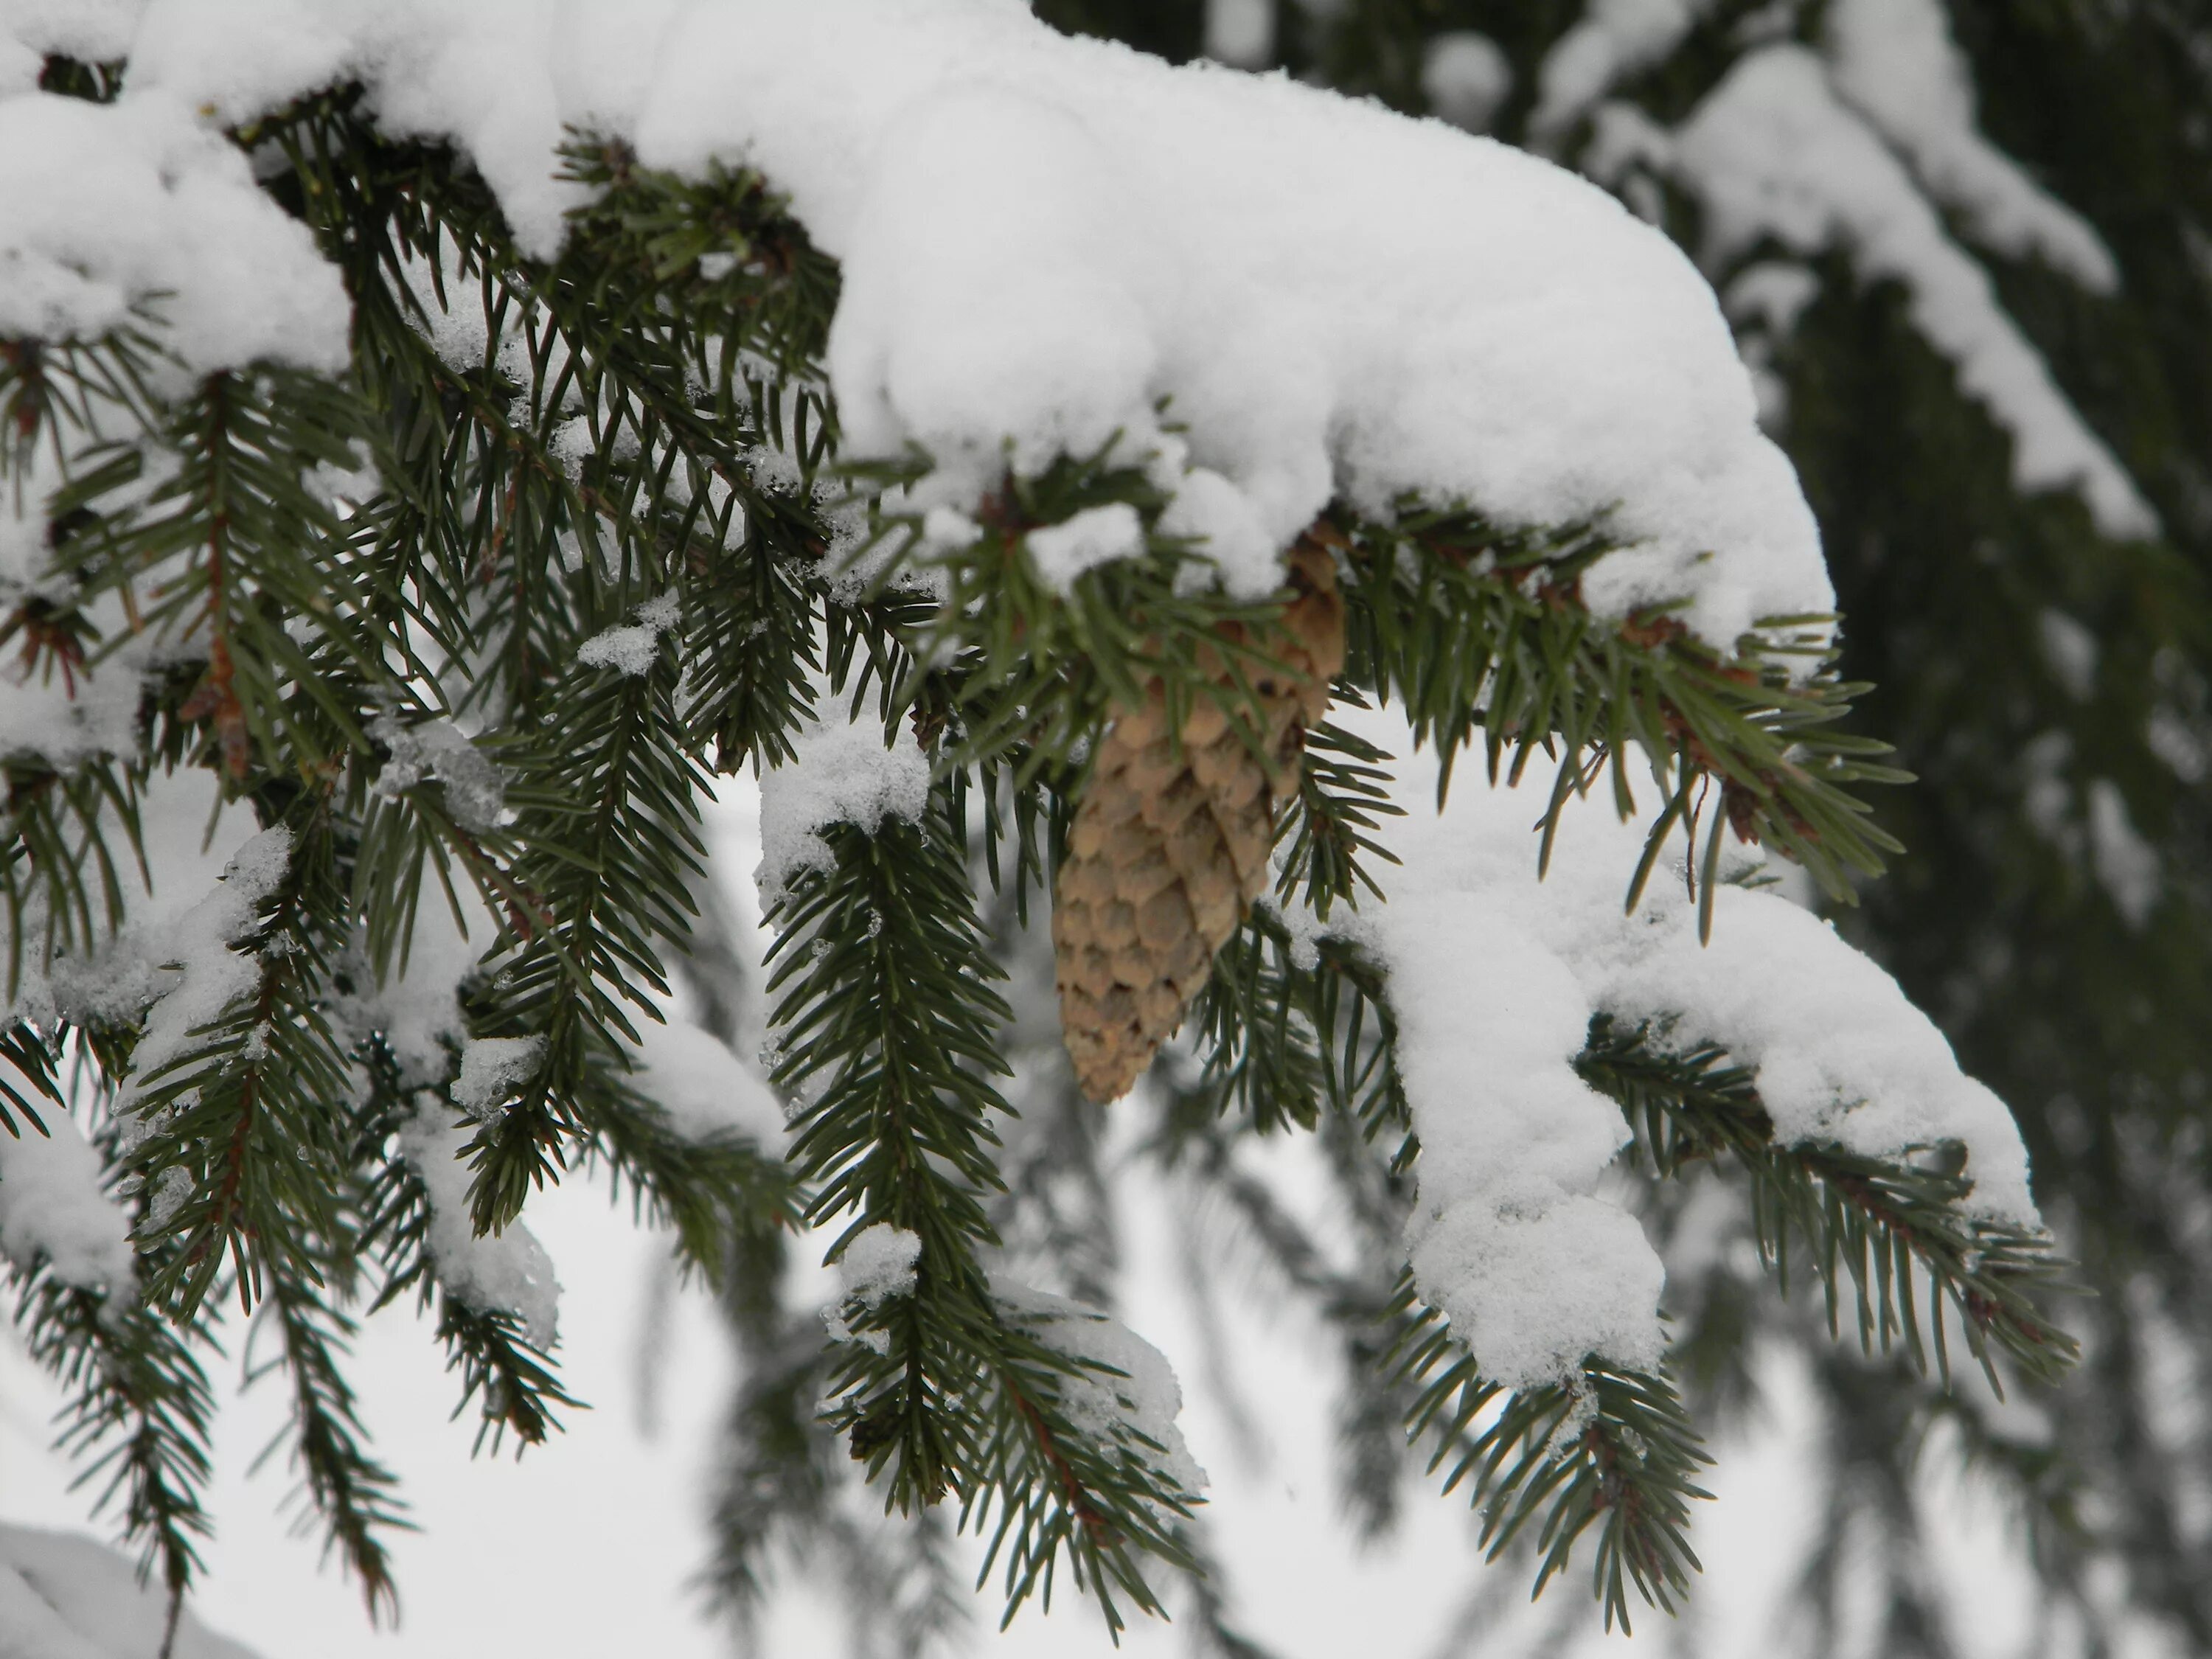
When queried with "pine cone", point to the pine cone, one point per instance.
{"points": [[1170, 842]]}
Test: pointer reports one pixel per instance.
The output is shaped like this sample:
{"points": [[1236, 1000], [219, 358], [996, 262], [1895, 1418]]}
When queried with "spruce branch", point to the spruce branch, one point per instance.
{"points": [[885, 1025], [1877, 1224], [714, 1193], [25, 1058], [96, 82], [645, 419], [1288, 1028], [1608, 1448], [1029, 674], [68, 402], [1480, 629], [1330, 827], [140, 1412], [354, 1493], [59, 877], [238, 543], [515, 1386], [235, 1135], [607, 829]]}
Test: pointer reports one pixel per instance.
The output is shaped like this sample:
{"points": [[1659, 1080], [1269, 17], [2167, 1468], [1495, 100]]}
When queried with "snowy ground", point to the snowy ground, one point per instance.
{"points": [[587, 1548]]}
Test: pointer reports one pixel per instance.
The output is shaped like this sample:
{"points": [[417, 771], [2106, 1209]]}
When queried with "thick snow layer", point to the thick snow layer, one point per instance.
{"points": [[63, 1596], [1044, 238], [841, 771], [1772, 152], [1895, 61], [706, 1089], [53, 1204], [90, 31], [498, 1272], [107, 210], [1494, 977]]}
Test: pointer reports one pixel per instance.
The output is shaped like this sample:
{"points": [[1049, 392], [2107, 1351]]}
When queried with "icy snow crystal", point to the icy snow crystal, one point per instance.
{"points": [[879, 1262], [475, 794], [493, 1068]]}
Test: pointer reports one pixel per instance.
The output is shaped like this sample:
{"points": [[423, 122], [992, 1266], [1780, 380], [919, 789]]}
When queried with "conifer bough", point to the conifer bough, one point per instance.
{"points": [[422, 473]]}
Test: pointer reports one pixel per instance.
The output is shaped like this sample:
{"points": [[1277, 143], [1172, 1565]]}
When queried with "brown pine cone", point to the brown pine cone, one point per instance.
{"points": [[1170, 842]]}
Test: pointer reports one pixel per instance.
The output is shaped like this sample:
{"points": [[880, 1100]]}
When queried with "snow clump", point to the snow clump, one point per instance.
{"points": [[879, 1262], [706, 1091], [508, 1272], [1145, 1398], [843, 769], [53, 1207], [111, 214], [631, 650], [1495, 976], [210, 976], [475, 794], [492, 1070]]}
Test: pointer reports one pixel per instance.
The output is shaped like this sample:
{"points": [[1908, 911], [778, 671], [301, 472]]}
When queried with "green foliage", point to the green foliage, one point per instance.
{"points": [[473, 621], [886, 1027], [1475, 628], [337, 566], [1609, 1448], [1872, 1222], [140, 1412], [1955, 580]]}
